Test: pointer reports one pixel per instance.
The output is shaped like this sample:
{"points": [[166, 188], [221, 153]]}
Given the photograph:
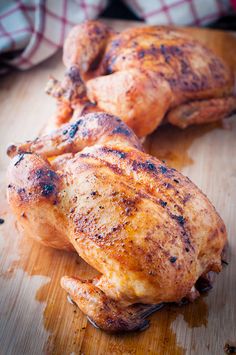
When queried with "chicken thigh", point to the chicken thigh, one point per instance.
{"points": [[142, 75], [148, 230]]}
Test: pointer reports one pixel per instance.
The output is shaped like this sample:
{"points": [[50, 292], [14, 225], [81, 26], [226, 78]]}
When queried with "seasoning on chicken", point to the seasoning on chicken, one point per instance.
{"points": [[143, 75], [149, 231]]}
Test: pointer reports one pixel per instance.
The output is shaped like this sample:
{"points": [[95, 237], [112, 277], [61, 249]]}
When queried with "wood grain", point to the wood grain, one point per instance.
{"points": [[35, 315]]}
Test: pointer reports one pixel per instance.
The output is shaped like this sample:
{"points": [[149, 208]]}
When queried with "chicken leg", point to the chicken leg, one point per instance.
{"points": [[199, 112]]}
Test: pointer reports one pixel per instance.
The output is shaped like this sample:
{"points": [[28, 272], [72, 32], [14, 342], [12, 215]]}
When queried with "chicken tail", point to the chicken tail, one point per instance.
{"points": [[70, 95]]}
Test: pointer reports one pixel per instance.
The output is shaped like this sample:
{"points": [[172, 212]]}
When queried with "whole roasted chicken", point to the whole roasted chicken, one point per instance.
{"points": [[149, 231], [143, 75]]}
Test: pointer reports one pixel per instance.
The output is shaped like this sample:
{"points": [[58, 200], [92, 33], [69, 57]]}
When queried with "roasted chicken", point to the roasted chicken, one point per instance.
{"points": [[143, 75], [148, 230]]}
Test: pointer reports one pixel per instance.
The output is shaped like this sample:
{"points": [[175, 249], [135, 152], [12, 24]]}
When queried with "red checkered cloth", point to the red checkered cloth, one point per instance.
{"points": [[37, 28], [32, 30], [179, 12]]}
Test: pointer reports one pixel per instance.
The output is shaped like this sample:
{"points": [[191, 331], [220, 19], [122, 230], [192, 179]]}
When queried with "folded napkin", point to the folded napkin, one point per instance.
{"points": [[32, 30]]}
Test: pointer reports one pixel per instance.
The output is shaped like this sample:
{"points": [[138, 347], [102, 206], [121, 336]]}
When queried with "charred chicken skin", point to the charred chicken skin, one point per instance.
{"points": [[143, 75], [148, 230]]}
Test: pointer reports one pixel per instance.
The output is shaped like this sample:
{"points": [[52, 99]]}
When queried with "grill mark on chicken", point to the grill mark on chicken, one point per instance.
{"points": [[147, 195], [130, 207], [117, 152], [85, 222], [121, 130], [186, 80], [148, 165], [148, 168]]}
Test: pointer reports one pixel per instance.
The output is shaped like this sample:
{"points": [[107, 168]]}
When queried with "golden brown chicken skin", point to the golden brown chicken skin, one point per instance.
{"points": [[142, 75], [148, 230]]}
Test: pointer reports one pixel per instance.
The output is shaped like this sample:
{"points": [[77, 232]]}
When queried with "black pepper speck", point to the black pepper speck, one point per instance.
{"points": [[151, 166], [73, 130], [163, 203], [163, 169], [181, 220], [47, 189]]}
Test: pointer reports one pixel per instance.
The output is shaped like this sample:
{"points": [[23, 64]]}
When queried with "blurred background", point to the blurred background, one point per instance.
{"points": [[33, 30]]}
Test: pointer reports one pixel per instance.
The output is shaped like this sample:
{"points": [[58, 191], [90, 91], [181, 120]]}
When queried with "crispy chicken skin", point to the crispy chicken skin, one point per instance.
{"points": [[142, 75], [148, 230]]}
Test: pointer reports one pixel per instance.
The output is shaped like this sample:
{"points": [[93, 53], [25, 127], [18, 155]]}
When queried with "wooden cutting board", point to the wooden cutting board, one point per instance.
{"points": [[35, 316]]}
